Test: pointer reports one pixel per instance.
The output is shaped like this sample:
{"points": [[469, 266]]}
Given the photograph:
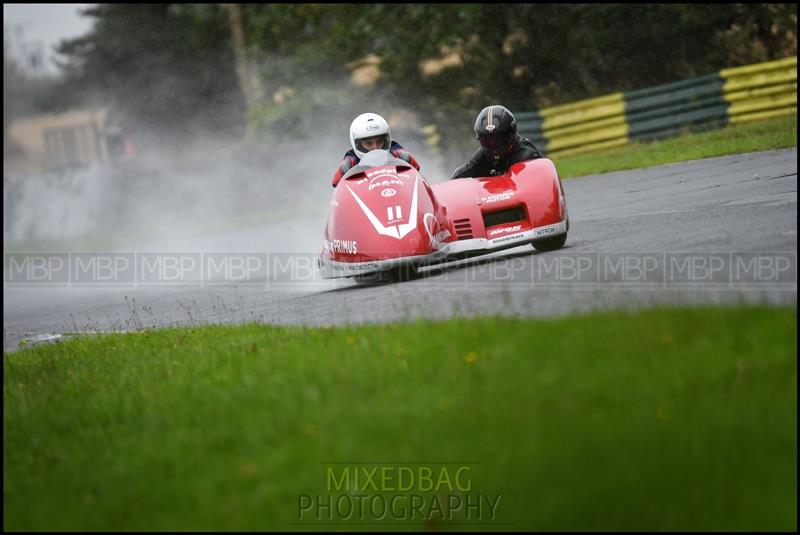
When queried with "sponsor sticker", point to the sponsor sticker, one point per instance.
{"points": [[380, 171], [353, 267], [384, 180], [498, 197], [506, 230], [435, 231], [342, 246], [546, 231], [508, 238]]}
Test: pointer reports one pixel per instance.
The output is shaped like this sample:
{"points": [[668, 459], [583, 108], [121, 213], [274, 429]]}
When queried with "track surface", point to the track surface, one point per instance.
{"points": [[680, 233]]}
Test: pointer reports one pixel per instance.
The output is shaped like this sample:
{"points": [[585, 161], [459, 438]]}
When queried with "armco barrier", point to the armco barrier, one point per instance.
{"points": [[739, 94], [761, 91], [667, 109]]}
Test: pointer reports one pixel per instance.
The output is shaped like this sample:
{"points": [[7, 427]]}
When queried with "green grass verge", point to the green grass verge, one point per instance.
{"points": [[665, 419], [733, 139]]}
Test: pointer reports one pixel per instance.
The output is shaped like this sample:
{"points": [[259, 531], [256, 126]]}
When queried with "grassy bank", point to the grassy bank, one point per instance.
{"points": [[733, 139], [666, 419]]}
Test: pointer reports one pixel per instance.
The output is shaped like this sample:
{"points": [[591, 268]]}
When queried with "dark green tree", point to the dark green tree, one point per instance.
{"points": [[167, 66], [172, 66]]}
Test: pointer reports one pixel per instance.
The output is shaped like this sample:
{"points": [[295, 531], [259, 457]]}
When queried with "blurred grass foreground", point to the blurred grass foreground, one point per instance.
{"points": [[666, 419]]}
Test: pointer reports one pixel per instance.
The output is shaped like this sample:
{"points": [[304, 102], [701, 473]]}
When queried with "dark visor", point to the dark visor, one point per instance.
{"points": [[495, 140]]}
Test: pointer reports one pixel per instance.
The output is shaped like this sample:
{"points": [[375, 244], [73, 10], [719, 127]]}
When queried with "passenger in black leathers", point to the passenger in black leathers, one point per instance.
{"points": [[501, 145]]}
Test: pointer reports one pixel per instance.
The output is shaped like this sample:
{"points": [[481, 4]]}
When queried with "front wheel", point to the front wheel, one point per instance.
{"points": [[550, 244]]}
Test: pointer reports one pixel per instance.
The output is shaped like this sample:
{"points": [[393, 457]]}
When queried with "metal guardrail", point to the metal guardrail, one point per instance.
{"points": [[761, 91], [752, 92]]}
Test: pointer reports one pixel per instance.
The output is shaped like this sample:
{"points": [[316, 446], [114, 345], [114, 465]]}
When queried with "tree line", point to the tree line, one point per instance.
{"points": [[173, 67]]}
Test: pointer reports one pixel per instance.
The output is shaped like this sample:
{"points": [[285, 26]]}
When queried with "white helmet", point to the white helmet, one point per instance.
{"points": [[368, 125]]}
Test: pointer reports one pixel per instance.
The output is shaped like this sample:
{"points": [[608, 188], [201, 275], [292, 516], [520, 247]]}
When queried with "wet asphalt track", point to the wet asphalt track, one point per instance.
{"points": [[719, 230]]}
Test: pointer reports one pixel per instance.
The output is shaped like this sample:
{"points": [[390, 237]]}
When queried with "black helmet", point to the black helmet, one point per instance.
{"points": [[496, 129]]}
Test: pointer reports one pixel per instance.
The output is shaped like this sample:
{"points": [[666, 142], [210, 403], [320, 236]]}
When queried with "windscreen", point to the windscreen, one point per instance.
{"points": [[376, 158]]}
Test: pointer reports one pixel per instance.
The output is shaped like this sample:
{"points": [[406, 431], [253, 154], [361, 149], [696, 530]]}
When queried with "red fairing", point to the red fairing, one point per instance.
{"points": [[388, 215], [387, 212], [533, 184]]}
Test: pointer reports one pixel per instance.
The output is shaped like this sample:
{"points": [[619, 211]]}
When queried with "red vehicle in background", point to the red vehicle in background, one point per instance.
{"points": [[386, 218]]}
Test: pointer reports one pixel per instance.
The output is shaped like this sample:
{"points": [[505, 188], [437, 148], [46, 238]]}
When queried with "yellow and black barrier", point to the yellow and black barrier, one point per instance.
{"points": [[761, 91], [752, 92]]}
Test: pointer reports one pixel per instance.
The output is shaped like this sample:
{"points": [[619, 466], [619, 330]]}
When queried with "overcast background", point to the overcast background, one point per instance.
{"points": [[37, 28]]}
